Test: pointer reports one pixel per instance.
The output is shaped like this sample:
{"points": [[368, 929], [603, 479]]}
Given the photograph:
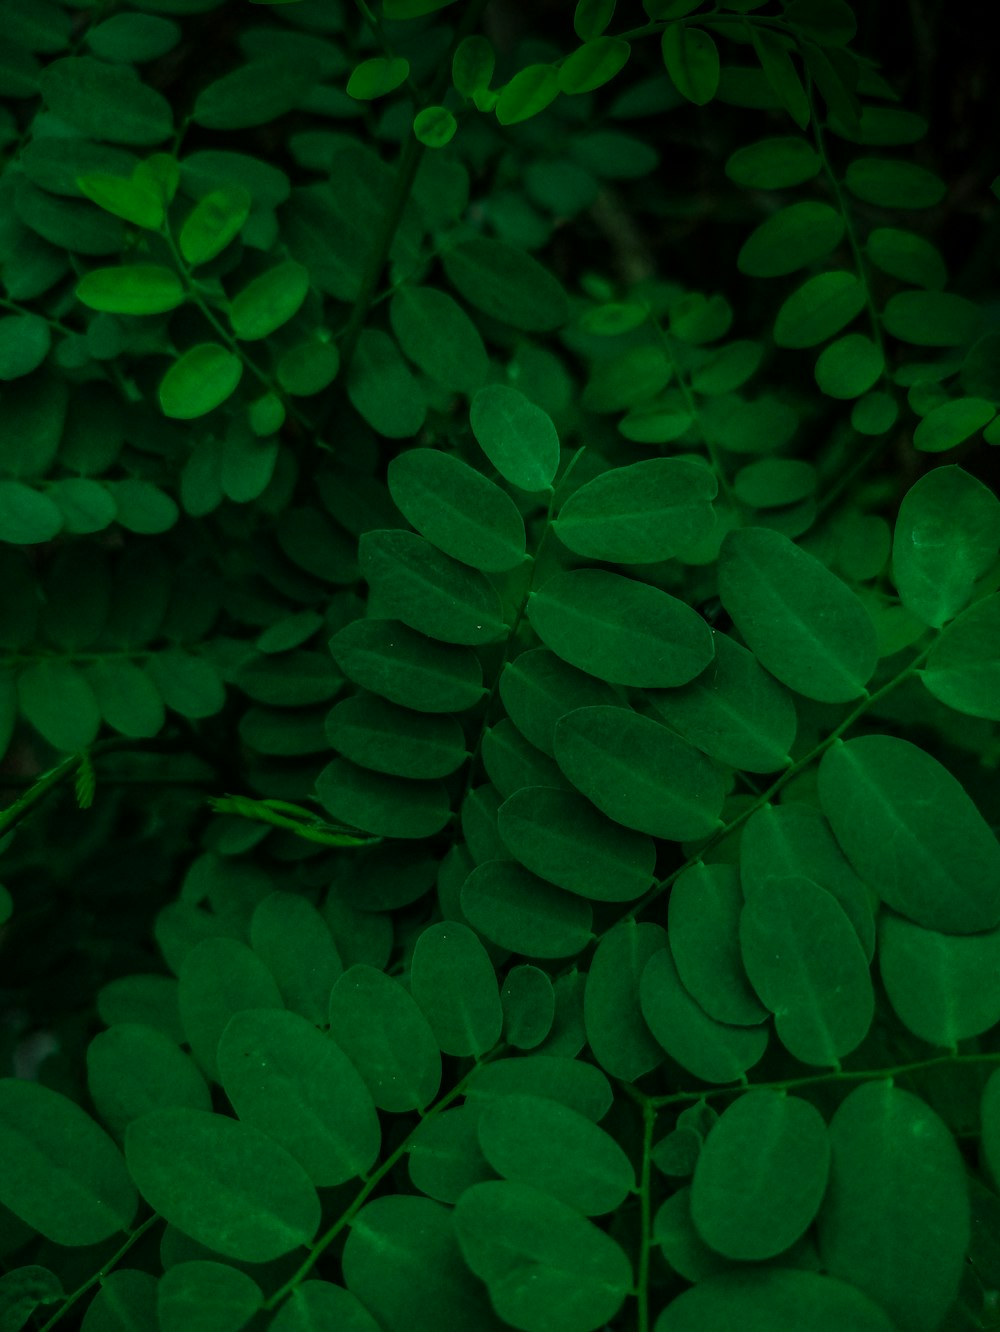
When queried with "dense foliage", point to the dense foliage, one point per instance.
{"points": [[498, 695]]}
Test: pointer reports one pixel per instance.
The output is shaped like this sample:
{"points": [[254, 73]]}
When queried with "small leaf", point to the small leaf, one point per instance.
{"points": [[216, 219], [780, 73], [907, 256], [127, 199], [849, 367], [790, 239], [472, 65], [434, 126], [516, 435], [692, 61], [377, 77], [529, 92], [132, 289], [27, 517], [24, 344], [439, 337], [453, 981], [821, 307], [932, 318], [501, 280], [592, 65], [952, 423], [256, 93], [55, 696], [774, 164], [406, 667], [200, 380], [269, 301], [889, 184], [591, 17]]}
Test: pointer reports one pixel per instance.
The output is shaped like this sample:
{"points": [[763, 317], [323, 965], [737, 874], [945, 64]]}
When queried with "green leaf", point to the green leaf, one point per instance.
{"points": [[559, 836], [27, 517], [381, 804], [912, 833], [457, 509], [444, 1157], [220, 977], [823, 1003], [308, 367], [537, 688], [256, 93], [147, 999], [504, 282], [780, 73], [382, 388], [619, 629], [125, 1302], [640, 514], [617, 1033], [792, 238], [895, 1221], [774, 164], [639, 773], [452, 980], [406, 667], [800, 620], [528, 998], [132, 289], [514, 909], [773, 1297], [382, 1030], [377, 77], [529, 92], [434, 126], [204, 1296], [133, 38], [216, 219], [735, 711], [56, 698], [428, 590], [711, 1050], [224, 1183], [589, 1172], [963, 669], [129, 199], [821, 307], [387, 738], [591, 17], [592, 65], [133, 1068], [572, 1082], [62, 1175], [398, 10], [292, 939], [692, 61], [269, 301], [128, 700], [102, 101], [943, 987], [932, 318], [22, 1290], [946, 535], [761, 1175], [472, 65], [952, 423], [516, 435], [429, 1287], [547, 1269], [200, 380], [25, 341], [703, 918], [294, 1083], [905, 255], [439, 337], [315, 1304], [189, 685], [796, 840], [849, 367], [889, 184]]}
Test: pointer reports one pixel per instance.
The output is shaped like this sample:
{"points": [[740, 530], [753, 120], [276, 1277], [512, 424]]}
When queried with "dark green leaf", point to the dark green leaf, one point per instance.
{"points": [[895, 1220], [572, 1082], [227, 1185], [905, 255], [444, 1156], [378, 803], [387, 738], [133, 1068], [27, 517], [537, 688], [62, 1174], [516, 435], [528, 999], [428, 590], [932, 318], [382, 388], [56, 697], [849, 367], [515, 910], [592, 65], [894, 184], [377, 77], [774, 164], [439, 337], [963, 669], [790, 239], [619, 629], [292, 939], [529, 92], [774, 1298], [912, 833], [617, 1033], [800, 620], [547, 1269], [761, 1175], [560, 837], [103, 101], [296, 1085], [952, 423], [452, 980], [255, 93], [457, 509], [821, 307], [639, 773], [200, 380], [218, 978], [406, 667], [24, 344], [203, 1296], [507, 284], [692, 61], [381, 1029]]}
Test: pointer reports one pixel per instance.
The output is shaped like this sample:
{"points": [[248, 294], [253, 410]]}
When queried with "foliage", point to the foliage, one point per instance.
{"points": [[500, 712]]}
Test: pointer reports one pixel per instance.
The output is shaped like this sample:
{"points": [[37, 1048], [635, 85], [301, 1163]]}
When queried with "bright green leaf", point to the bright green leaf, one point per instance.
{"points": [[216, 219], [200, 380], [434, 126], [592, 65], [529, 92], [952, 423], [128, 199], [849, 367], [131, 289], [377, 77], [269, 301]]}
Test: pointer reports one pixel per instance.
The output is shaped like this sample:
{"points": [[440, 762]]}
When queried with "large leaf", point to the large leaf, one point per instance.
{"points": [[761, 1175], [132, 289], [773, 1297], [895, 1220], [62, 1174], [227, 1185], [801, 621], [912, 833], [621, 630], [963, 668]]}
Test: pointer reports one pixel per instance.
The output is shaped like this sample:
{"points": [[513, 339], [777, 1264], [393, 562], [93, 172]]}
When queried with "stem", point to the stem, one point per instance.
{"points": [[645, 1205], [136, 1235]]}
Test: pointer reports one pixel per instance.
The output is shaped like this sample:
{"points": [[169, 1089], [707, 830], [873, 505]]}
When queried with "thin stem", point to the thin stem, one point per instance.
{"points": [[99, 1275], [645, 1205]]}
